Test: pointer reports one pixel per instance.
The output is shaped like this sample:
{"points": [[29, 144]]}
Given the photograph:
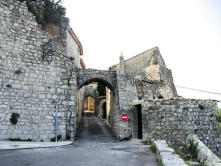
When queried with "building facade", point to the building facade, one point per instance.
{"points": [[42, 73]]}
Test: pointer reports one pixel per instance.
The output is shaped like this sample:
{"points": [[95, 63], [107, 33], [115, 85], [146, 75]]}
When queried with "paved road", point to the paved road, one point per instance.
{"points": [[95, 146]]}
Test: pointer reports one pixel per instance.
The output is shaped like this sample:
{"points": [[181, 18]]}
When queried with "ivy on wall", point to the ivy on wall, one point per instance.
{"points": [[46, 11], [14, 118]]}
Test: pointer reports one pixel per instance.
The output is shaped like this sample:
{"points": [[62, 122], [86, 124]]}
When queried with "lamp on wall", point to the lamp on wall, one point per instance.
{"points": [[49, 55], [48, 52]]}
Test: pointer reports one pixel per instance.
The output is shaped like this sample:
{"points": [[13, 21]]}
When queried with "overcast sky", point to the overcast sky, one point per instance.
{"points": [[187, 32]]}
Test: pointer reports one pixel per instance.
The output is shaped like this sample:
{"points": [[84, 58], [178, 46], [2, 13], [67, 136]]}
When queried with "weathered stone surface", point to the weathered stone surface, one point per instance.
{"points": [[127, 93], [205, 155], [38, 72], [87, 76], [31, 81], [153, 78], [123, 92], [173, 120], [153, 72], [166, 155]]}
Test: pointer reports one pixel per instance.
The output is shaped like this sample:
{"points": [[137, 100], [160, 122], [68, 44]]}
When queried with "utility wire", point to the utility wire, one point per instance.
{"points": [[183, 87]]}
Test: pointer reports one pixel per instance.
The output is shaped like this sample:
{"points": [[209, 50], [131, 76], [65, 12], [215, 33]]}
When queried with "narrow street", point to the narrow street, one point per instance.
{"points": [[95, 145]]}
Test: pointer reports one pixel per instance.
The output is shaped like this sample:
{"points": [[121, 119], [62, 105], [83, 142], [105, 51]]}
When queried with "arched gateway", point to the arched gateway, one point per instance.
{"points": [[106, 77], [123, 91]]}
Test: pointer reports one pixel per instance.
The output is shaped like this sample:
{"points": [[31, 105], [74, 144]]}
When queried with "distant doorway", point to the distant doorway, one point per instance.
{"points": [[139, 119], [89, 104], [104, 110], [137, 131]]}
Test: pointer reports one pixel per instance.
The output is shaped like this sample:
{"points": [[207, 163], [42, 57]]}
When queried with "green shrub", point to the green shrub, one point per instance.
{"points": [[187, 163], [193, 149], [180, 153], [125, 139], [159, 162], [53, 12], [160, 97], [202, 163], [153, 148], [146, 142], [46, 11], [219, 115], [14, 118], [59, 138], [183, 157], [201, 107], [19, 139]]}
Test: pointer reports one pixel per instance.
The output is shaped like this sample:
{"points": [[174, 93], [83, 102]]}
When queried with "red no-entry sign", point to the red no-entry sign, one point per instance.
{"points": [[124, 117]]}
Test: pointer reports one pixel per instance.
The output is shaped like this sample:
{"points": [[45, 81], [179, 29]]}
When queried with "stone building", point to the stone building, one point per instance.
{"points": [[41, 72], [74, 48], [175, 119], [159, 113], [151, 67], [35, 75]]}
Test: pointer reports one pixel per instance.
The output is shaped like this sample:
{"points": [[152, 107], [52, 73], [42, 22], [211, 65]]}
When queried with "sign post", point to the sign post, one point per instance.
{"points": [[56, 115]]}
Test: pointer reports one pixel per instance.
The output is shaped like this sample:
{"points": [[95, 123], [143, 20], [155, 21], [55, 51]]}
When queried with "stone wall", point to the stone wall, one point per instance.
{"points": [[137, 64], [166, 88], [155, 78], [174, 120], [147, 89], [31, 80], [154, 89], [127, 93]]}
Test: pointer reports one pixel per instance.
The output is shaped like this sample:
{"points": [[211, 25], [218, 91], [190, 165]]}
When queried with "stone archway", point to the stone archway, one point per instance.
{"points": [[108, 78], [122, 92]]}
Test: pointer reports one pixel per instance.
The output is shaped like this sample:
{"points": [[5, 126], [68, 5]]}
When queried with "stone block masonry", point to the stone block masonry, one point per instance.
{"points": [[204, 155], [167, 155], [173, 120], [127, 92], [38, 72], [35, 73]]}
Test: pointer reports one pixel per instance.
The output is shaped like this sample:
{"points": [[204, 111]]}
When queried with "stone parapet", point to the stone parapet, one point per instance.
{"points": [[167, 155]]}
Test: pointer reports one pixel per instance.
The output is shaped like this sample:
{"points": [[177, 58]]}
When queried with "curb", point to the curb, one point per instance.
{"points": [[166, 155], [7, 145]]}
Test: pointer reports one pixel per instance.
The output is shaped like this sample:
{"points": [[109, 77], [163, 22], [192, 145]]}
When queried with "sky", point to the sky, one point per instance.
{"points": [[187, 32]]}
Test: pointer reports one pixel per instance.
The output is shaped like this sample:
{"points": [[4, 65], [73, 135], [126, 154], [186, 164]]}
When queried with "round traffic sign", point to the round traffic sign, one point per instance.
{"points": [[124, 117]]}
